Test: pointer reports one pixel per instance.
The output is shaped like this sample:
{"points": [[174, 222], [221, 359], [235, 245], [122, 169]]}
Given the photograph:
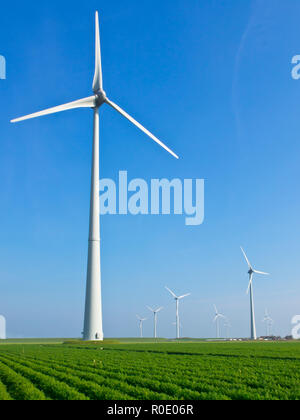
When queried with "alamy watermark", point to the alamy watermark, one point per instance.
{"points": [[2, 67], [160, 196], [296, 329], [2, 328], [296, 68]]}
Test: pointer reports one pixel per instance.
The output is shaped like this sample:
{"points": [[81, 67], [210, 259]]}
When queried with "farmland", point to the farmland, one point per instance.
{"points": [[150, 371]]}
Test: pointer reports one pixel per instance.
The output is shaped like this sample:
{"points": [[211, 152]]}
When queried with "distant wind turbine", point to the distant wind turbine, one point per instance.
{"points": [[269, 322], [216, 319], [141, 321], [251, 273], [93, 329], [177, 299], [155, 312], [227, 325]]}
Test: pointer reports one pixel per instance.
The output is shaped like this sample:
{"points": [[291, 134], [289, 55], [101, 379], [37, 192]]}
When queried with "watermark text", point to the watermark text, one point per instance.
{"points": [[2, 67], [296, 329], [158, 197]]}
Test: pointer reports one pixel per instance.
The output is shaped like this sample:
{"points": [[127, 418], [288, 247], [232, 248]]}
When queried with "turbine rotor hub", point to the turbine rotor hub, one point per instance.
{"points": [[100, 98]]}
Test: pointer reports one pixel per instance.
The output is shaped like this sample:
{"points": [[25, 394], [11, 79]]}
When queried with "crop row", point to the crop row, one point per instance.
{"points": [[18, 387]]}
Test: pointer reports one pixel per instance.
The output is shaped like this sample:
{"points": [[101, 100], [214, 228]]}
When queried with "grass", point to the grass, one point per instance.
{"points": [[130, 369]]}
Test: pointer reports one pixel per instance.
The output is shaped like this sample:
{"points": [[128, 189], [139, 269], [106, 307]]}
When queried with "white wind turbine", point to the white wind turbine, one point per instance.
{"points": [[155, 312], [93, 329], [227, 325], [269, 322], [216, 319], [251, 273], [141, 321], [177, 299]]}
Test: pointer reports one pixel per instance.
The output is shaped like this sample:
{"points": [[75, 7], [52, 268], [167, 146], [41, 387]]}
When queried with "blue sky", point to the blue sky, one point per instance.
{"points": [[213, 80]]}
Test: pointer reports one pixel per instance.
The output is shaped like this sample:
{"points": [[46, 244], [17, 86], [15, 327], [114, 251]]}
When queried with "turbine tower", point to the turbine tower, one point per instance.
{"points": [[216, 319], [93, 303], [177, 299], [141, 321], [180, 326], [251, 273], [269, 322], [155, 312]]}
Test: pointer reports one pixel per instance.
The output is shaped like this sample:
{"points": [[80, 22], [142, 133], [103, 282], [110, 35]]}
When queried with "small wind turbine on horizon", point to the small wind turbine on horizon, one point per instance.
{"points": [[177, 300], [217, 318], [269, 323], [227, 325], [251, 273], [155, 312], [93, 329], [141, 321]]}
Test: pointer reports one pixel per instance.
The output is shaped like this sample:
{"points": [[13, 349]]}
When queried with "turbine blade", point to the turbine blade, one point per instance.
{"points": [[159, 309], [81, 103], [98, 83], [183, 296], [173, 294], [215, 308], [261, 272], [246, 258], [122, 112], [150, 309]]}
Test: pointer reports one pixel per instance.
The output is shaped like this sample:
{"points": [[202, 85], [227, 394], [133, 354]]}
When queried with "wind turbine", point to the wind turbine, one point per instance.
{"points": [[216, 319], [141, 320], [177, 299], [93, 329], [227, 325], [155, 312], [251, 273], [269, 322]]}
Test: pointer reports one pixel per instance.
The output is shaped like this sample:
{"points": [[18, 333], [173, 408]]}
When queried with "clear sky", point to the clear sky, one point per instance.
{"points": [[213, 80]]}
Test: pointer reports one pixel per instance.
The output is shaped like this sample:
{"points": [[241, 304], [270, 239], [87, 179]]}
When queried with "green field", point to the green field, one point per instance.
{"points": [[149, 371]]}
